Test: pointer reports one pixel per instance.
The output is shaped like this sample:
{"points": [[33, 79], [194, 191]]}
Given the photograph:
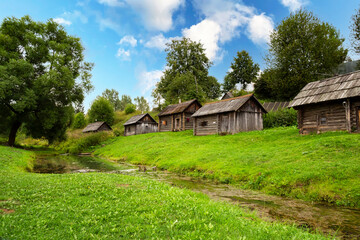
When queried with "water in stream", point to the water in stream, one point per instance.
{"points": [[344, 222]]}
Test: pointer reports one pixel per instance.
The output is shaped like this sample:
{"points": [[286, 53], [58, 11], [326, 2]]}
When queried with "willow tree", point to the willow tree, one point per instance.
{"points": [[42, 74]]}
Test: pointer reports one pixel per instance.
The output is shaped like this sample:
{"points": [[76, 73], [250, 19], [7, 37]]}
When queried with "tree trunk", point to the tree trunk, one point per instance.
{"points": [[14, 128]]}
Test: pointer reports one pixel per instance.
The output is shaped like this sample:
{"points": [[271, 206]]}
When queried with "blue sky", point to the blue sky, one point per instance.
{"points": [[126, 38]]}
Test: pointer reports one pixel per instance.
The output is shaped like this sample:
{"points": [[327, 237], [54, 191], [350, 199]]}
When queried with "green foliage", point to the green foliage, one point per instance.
{"points": [[130, 108], [302, 49], [113, 97], [281, 118], [321, 167], [125, 100], [141, 104], [186, 75], [115, 206], [79, 121], [355, 31], [243, 71], [101, 110], [39, 66]]}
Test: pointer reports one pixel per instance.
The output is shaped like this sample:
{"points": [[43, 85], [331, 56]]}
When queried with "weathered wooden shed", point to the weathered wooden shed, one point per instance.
{"points": [[140, 124], [177, 117], [231, 115], [97, 127], [329, 105], [227, 95]]}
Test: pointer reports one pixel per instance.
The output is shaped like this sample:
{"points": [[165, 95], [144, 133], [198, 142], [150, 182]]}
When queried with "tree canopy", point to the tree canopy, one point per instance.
{"points": [[243, 71], [186, 74], [113, 97], [101, 110], [141, 104], [42, 74], [355, 31], [125, 100], [302, 49]]}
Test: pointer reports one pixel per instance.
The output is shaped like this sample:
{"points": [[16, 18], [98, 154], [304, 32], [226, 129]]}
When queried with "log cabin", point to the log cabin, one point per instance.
{"points": [[140, 124], [177, 117], [229, 116], [97, 127], [331, 104]]}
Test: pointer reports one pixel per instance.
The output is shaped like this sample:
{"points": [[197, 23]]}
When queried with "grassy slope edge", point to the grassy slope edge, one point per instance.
{"points": [[278, 161], [111, 206]]}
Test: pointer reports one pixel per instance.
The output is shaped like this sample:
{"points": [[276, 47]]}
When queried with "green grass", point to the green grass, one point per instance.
{"points": [[277, 161], [111, 206]]}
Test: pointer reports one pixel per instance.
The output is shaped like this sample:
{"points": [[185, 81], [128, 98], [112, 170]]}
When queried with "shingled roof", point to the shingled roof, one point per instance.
{"points": [[176, 108], [136, 118], [335, 88], [275, 106], [92, 127], [226, 105]]}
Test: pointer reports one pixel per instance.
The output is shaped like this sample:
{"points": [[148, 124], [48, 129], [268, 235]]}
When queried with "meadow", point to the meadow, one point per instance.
{"points": [[113, 206], [322, 168]]}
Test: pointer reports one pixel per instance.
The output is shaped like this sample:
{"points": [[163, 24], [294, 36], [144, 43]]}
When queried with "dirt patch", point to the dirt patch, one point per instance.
{"points": [[6, 211]]}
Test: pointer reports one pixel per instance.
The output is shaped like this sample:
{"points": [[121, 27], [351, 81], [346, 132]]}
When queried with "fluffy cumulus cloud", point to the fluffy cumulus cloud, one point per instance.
{"points": [[123, 54], [157, 15], [223, 21], [148, 80], [128, 39], [159, 42], [62, 21], [293, 5]]}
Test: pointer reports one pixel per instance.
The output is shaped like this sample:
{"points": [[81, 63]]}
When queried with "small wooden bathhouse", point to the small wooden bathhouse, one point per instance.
{"points": [[97, 127], [330, 104], [231, 115], [140, 124], [177, 117]]}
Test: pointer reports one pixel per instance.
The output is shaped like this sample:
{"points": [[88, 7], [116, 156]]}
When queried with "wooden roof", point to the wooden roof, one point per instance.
{"points": [[226, 105], [92, 127], [137, 118], [335, 88], [177, 108], [227, 95], [275, 106]]}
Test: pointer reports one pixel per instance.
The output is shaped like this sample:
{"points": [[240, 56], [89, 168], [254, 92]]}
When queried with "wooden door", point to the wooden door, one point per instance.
{"points": [[177, 124], [224, 124]]}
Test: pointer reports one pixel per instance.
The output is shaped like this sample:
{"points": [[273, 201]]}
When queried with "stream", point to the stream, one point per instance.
{"points": [[340, 221]]}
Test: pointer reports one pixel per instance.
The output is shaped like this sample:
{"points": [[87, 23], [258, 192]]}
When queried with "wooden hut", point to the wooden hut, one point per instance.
{"points": [[329, 105], [227, 95], [231, 115], [140, 124], [177, 117], [97, 127]]}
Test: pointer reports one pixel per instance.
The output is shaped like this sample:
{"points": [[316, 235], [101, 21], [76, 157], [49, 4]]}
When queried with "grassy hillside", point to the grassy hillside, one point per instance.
{"points": [[112, 206], [278, 161]]}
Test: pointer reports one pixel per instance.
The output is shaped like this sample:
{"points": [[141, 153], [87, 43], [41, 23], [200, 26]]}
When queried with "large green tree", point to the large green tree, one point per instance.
{"points": [[186, 74], [113, 96], [42, 74], [101, 110], [243, 71], [355, 31], [141, 104], [124, 101], [302, 49]]}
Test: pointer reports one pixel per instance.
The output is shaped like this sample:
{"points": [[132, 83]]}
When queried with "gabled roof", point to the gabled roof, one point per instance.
{"points": [[275, 106], [92, 127], [177, 108], [137, 118], [226, 105], [335, 88], [227, 95]]}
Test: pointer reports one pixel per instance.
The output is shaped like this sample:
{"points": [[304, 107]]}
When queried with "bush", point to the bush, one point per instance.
{"points": [[79, 121], [101, 110], [280, 118], [130, 108]]}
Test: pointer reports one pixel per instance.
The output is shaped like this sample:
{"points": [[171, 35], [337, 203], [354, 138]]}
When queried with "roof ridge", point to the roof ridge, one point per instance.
{"points": [[228, 99]]}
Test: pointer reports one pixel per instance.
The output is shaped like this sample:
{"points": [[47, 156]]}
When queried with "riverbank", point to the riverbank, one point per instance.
{"points": [[113, 206], [322, 168]]}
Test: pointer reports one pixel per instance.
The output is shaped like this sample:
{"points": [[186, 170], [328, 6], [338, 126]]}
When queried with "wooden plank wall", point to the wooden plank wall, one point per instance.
{"points": [[143, 128], [167, 127], [354, 107], [130, 130], [188, 125], [211, 128]]}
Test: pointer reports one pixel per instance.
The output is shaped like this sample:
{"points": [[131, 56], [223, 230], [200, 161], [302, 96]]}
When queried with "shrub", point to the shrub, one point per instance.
{"points": [[101, 110], [280, 118], [130, 108], [79, 121]]}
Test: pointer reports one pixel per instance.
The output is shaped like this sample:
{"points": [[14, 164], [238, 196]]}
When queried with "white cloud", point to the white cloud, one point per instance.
{"points": [[159, 42], [293, 5], [260, 28], [157, 15], [223, 21], [148, 80], [128, 39], [123, 54], [62, 21], [112, 3]]}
